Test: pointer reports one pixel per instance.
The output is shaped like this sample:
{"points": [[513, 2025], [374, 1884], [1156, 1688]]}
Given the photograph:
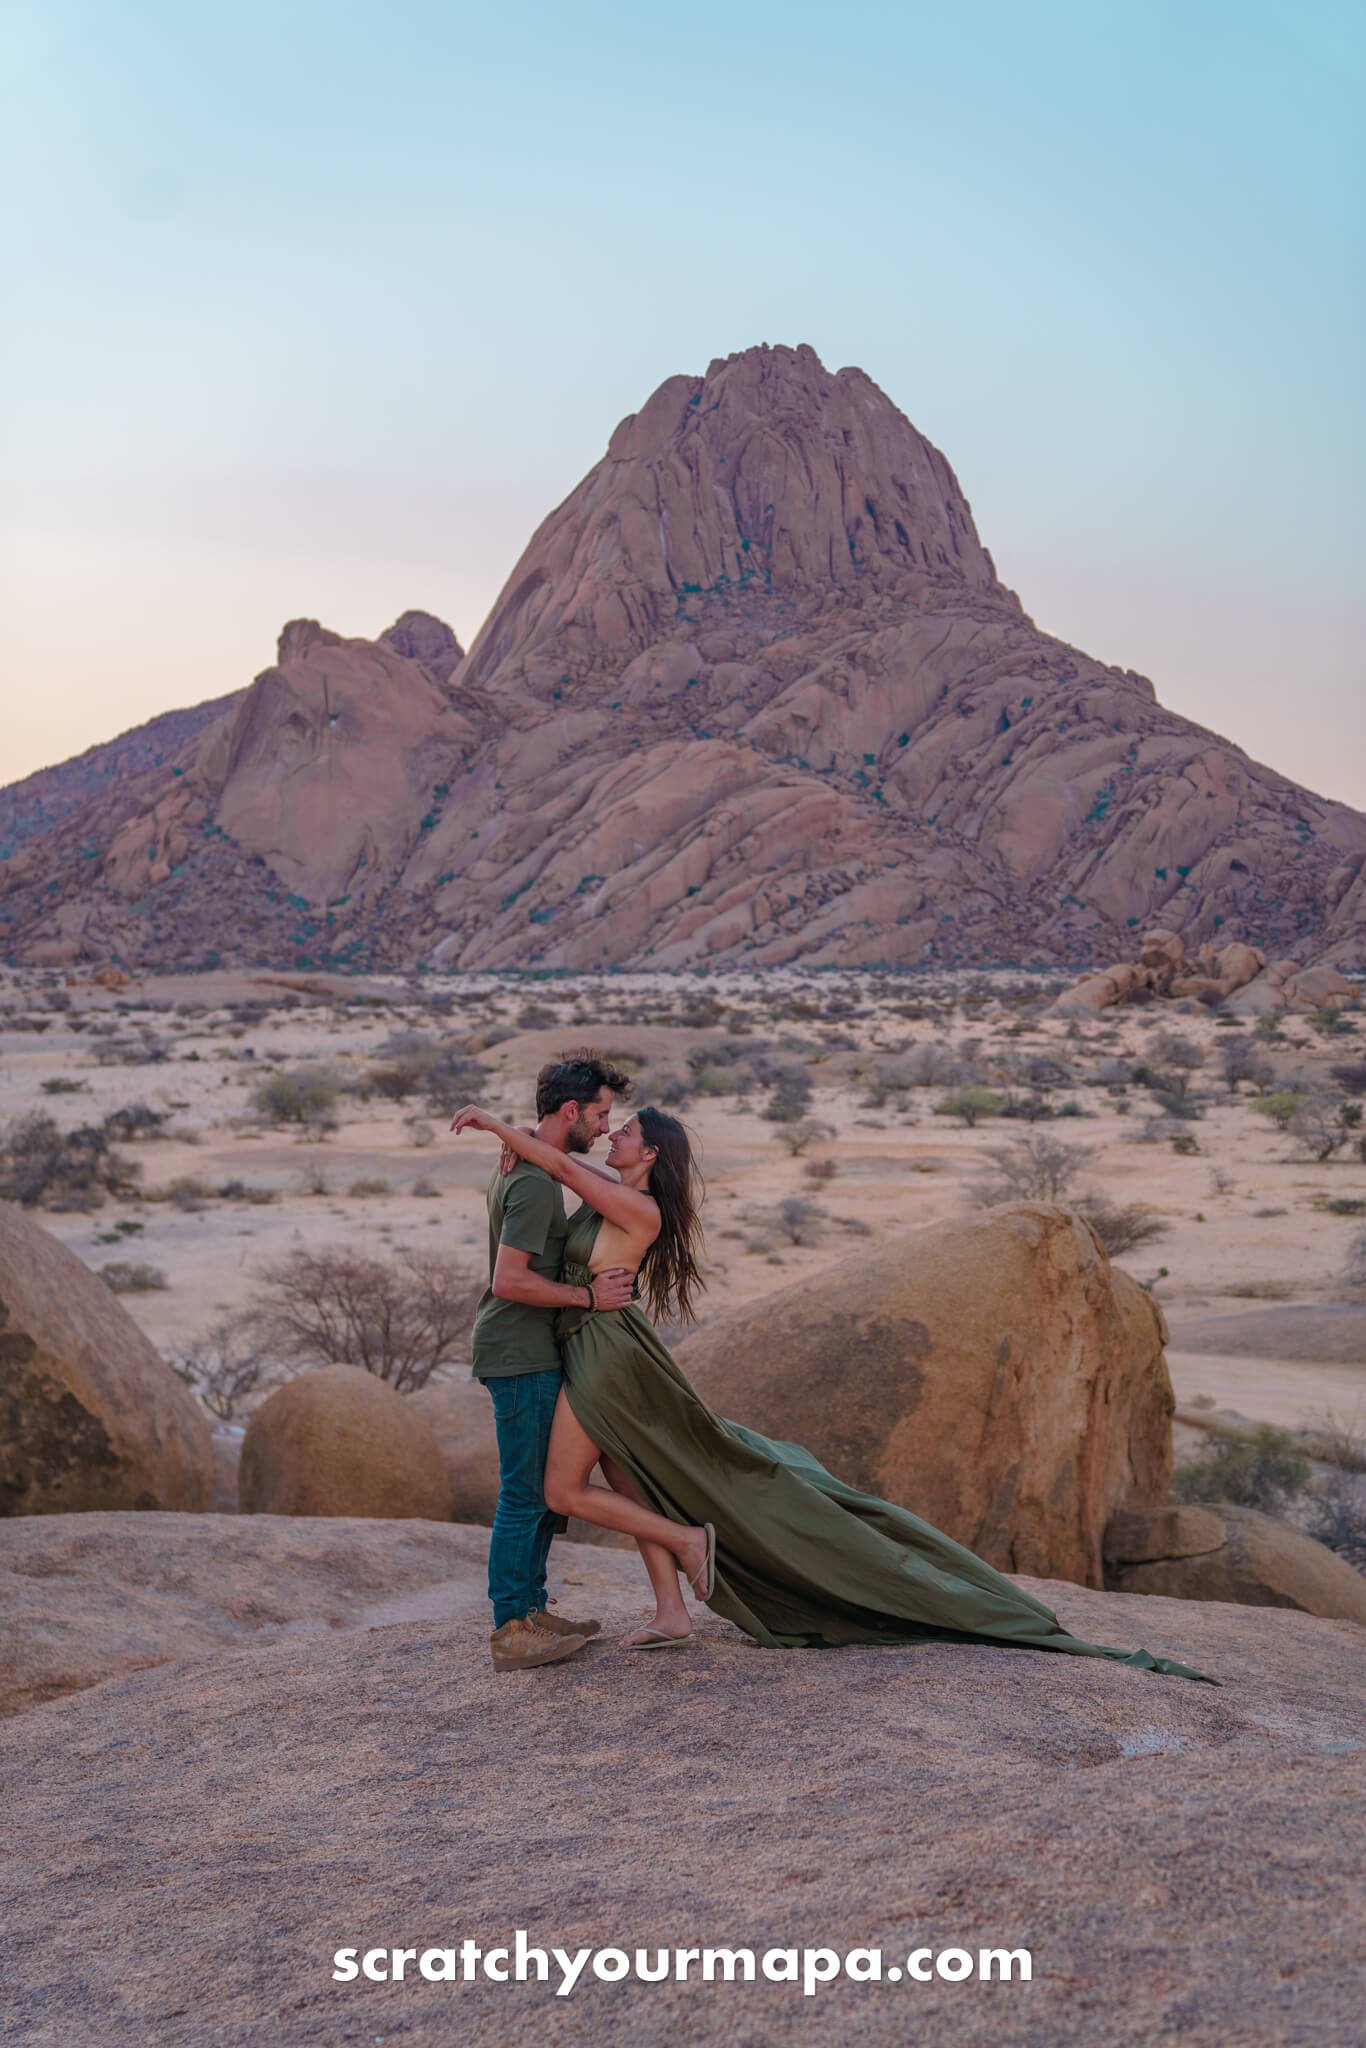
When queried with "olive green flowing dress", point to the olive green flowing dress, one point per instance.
{"points": [[802, 1560]]}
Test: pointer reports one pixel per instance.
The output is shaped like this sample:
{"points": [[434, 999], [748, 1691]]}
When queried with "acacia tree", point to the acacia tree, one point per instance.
{"points": [[398, 1318]]}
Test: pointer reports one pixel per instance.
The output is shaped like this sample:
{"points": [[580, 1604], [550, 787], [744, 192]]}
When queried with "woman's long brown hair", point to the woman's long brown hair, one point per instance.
{"points": [[669, 1272]]}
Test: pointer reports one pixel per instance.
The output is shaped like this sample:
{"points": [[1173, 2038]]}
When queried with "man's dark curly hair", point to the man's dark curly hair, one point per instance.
{"points": [[578, 1078]]}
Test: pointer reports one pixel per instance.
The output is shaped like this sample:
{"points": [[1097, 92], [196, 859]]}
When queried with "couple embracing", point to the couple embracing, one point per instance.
{"points": [[581, 1381]]}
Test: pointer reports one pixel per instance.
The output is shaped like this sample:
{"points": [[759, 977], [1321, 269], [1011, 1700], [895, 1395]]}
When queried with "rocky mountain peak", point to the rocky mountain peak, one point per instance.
{"points": [[753, 694], [769, 478], [299, 637], [419, 636]]}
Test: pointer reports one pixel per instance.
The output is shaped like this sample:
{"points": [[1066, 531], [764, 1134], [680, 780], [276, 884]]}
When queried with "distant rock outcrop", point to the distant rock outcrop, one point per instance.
{"points": [[338, 1441], [417, 636], [1217, 1552], [1236, 974], [42, 801], [753, 694], [90, 1416], [997, 1376]]}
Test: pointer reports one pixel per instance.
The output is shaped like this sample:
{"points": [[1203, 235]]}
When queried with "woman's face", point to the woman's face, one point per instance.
{"points": [[626, 1147]]}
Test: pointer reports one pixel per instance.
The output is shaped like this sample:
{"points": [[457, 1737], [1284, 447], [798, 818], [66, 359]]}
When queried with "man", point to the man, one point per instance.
{"points": [[516, 1356]]}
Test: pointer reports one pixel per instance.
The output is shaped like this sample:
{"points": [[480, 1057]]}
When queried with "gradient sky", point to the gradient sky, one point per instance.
{"points": [[317, 310]]}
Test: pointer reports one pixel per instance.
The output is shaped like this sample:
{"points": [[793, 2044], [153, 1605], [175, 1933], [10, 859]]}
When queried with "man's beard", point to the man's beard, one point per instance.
{"points": [[580, 1138]]}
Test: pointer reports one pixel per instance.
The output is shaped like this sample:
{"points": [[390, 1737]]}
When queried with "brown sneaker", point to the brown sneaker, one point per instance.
{"points": [[522, 1643], [562, 1625]]}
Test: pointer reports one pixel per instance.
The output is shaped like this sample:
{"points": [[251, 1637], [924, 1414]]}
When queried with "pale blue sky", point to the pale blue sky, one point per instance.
{"points": [[318, 309]]}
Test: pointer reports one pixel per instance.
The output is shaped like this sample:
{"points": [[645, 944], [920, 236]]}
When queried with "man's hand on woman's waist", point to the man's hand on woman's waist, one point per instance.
{"points": [[612, 1288]]}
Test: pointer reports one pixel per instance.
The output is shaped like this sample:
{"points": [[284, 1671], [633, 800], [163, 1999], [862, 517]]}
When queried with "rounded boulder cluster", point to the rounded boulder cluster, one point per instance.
{"points": [[338, 1441]]}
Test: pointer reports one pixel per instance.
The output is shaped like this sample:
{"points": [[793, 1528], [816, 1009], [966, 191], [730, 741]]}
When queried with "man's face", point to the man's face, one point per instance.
{"points": [[592, 1123]]}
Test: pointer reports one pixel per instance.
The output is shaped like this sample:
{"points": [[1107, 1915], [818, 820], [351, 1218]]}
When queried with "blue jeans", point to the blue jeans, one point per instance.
{"points": [[523, 1408]]}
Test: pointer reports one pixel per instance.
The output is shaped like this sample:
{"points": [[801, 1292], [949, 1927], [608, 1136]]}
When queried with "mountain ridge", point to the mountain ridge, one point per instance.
{"points": [[753, 693]]}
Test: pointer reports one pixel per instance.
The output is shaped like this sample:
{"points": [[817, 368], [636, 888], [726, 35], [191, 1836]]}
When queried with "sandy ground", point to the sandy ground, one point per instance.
{"points": [[1246, 1221]]}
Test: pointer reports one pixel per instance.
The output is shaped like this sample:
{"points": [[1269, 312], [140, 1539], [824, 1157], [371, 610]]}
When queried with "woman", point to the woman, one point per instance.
{"points": [[763, 1534]]}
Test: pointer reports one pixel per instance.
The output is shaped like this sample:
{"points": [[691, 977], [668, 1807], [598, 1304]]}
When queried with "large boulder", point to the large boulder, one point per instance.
{"points": [[459, 1415], [1318, 988], [1214, 1552], [338, 1441], [1162, 952], [996, 1375], [1097, 992], [1238, 963], [90, 1416], [1261, 997]]}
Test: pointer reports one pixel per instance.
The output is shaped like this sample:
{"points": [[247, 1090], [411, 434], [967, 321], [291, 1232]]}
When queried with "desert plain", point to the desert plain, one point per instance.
{"points": [[239, 1742], [1252, 1248]]}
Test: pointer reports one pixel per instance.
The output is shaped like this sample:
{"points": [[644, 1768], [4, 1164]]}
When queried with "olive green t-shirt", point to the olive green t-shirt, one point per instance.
{"points": [[526, 1211]]}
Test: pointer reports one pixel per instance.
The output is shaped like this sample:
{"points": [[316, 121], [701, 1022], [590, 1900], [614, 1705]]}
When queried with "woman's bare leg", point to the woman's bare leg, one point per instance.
{"points": [[570, 1461], [671, 1616]]}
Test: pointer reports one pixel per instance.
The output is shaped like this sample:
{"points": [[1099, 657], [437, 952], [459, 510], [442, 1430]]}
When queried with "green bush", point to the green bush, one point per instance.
{"points": [[969, 1105], [1280, 1105], [301, 1095], [1260, 1468]]}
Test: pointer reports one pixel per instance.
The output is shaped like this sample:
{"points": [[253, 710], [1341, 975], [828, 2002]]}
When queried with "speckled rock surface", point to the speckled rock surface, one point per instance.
{"points": [[186, 1847], [84, 1598]]}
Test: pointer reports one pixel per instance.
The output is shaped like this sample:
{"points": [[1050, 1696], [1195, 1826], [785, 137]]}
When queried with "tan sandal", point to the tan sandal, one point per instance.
{"points": [[656, 1639], [706, 1571]]}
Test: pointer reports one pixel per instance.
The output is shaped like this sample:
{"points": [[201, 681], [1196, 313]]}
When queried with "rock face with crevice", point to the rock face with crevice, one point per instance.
{"points": [[753, 693]]}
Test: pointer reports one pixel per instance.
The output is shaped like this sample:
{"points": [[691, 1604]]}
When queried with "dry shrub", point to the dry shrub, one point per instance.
{"points": [[62, 1170], [126, 1276], [398, 1318], [1037, 1168], [798, 1220], [1258, 1468], [1121, 1226], [226, 1365], [305, 1096], [797, 1136]]}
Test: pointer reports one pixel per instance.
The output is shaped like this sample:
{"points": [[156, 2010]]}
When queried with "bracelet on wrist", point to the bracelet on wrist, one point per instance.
{"points": [[592, 1297]]}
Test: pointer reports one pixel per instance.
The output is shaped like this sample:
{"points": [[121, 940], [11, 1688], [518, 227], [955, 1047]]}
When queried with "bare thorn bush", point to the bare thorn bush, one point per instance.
{"points": [[126, 1276], [1036, 1168], [796, 1137], [225, 1366], [398, 1318], [798, 1220], [1121, 1226]]}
